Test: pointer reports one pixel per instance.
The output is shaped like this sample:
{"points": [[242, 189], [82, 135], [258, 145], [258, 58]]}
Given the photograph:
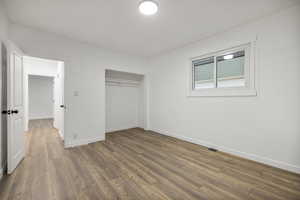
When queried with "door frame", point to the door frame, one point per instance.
{"points": [[54, 76]]}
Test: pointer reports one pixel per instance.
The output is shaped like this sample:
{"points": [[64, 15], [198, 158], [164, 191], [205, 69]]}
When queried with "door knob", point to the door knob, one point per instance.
{"points": [[14, 112], [62, 106]]}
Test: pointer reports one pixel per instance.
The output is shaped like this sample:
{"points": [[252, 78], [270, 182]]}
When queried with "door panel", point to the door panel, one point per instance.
{"points": [[19, 138], [18, 81], [16, 134]]}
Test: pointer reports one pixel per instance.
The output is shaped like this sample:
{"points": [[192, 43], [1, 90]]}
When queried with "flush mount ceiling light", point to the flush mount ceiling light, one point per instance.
{"points": [[148, 7], [228, 57]]}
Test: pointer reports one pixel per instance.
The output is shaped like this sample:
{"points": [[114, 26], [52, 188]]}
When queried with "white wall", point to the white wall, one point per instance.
{"points": [[84, 75], [142, 104], [40, 67], [3, 38], [264, 128], [121, 107], [41, 98]]}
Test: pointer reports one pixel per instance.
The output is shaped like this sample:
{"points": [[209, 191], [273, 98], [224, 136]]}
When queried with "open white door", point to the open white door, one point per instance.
{"points": [[16, 135]]}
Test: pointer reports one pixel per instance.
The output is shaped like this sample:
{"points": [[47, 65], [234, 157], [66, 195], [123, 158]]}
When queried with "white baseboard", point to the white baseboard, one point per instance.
{"points": [[119, 129], [81, 142], [260, 159], [41, 117]]}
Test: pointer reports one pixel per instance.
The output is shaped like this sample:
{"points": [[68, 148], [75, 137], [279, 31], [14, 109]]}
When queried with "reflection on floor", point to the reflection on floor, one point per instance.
{"points": [[40, 123], [135, 164]]}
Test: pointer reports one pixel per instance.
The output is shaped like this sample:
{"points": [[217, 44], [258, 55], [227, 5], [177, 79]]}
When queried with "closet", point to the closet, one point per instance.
{"points": [[125, 100]]}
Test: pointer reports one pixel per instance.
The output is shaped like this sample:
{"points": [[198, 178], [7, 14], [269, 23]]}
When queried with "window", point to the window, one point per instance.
{"points": [[230, 70], [204, 73], [223, 73]]}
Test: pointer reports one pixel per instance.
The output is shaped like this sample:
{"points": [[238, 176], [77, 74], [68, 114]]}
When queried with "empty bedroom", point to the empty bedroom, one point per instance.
{"points": [[150, 99]]}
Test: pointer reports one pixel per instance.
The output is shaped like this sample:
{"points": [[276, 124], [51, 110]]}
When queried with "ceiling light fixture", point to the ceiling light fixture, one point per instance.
{"points": [[228, 57], [148, 7]]}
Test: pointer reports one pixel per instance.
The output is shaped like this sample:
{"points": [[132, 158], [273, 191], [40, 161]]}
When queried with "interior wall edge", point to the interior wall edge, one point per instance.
{"points": [[245, 155]]}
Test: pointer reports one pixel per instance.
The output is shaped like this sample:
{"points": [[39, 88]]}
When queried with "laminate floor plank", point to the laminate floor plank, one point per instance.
{"points": [[139, 165]]}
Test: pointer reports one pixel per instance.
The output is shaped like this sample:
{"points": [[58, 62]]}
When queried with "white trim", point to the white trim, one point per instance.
{"points": [[260, 159], [41, 117], [223, 92], [81, 142], [250, 65], [121, 129]]}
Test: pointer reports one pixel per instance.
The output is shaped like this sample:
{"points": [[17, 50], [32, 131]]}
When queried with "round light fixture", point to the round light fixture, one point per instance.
{"points": [[148, 7]]}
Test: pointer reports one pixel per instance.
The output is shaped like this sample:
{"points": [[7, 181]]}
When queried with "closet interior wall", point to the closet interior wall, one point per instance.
{"points": [[125, 100]]}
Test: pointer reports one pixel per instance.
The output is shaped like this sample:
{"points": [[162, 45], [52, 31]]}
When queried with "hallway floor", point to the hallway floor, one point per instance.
{"points": [[135, 164]]}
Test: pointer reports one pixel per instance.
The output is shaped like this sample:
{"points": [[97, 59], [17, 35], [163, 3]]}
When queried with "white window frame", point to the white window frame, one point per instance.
{"points": [[249, 70]]}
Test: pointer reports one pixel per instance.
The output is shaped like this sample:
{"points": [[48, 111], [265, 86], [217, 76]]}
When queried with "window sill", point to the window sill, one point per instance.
{"points": [[223, 92]]}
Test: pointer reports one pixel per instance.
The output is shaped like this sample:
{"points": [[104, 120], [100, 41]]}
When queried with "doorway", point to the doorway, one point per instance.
{"points": [[44, 93], [17, 71]]}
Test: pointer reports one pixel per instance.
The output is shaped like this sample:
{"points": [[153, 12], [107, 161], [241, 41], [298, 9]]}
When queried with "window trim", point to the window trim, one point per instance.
{"points": [[249, 74]]}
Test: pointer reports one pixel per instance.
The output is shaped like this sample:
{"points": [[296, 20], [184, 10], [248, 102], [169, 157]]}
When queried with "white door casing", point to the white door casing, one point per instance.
{"points": [[56, 105], [59, 100], [62, 91], [16, 134]]}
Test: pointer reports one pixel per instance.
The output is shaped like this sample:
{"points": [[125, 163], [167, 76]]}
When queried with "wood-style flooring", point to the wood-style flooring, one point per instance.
{"points": [[135, 164]]}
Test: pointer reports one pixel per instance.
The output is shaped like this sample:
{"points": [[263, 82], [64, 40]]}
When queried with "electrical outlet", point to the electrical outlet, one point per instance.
{"points": [[75, 93]]}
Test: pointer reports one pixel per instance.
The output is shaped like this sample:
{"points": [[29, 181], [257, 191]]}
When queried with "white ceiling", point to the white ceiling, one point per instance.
{"points": [[118, 25]]}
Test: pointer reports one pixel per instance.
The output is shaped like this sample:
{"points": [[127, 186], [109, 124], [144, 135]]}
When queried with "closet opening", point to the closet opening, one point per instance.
{"points": [[125, 101]]}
